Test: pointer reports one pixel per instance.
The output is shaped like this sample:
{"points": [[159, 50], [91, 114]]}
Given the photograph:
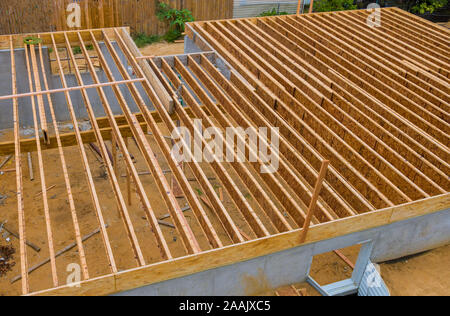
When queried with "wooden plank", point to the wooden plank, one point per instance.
{"points": [[47, 92], [19, 179], [315, 197], [37, 82]]}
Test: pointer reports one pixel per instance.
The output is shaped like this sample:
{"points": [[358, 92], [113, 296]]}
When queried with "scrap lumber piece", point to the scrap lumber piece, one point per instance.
{"points": [[30, 166], [345, 259], [130, 201], [290, 291], [184, 209], [48, 189], [7, 170], [7, 159]]}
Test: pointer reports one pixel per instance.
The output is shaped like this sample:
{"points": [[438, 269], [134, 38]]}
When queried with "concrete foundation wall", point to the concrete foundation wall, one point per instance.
{"points": [[54, 81], [292, 266]]}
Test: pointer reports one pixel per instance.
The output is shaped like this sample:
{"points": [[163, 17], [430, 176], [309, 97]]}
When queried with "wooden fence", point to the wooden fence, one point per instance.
{"points": [[29, 16]]}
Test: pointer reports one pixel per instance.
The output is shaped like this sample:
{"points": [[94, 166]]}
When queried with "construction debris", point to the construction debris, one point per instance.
{"points": [[186, 208], [345, 259], [5, 161], [16, 235], [30, 166], [3, 198], [6, 259], [48, 189], [2, 172], [166, 224], [59, 253], [146, 173]]}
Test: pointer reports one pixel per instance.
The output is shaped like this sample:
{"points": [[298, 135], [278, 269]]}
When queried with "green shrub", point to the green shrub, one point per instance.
{"points": [[143, 40], [334, 5], [76, 50], [424, 6], [273, 12], [177, 20], [172, 35]]}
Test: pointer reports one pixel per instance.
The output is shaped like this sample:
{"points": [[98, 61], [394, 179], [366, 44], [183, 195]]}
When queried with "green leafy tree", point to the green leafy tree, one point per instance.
{"points": [[425, 6], [273, 12], [334, 5], [177, 20]]}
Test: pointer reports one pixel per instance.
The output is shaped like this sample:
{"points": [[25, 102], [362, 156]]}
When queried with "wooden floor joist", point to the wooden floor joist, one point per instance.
{"points": [[374, 102], [86, 167]]}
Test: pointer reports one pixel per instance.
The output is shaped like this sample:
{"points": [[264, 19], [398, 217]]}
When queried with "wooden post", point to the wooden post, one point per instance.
{"points": [[314, 198], [311, 4]]}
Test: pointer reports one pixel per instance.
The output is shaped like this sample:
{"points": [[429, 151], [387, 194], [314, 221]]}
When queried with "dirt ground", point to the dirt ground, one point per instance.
{"points": [[425, 274], [163, 49]]}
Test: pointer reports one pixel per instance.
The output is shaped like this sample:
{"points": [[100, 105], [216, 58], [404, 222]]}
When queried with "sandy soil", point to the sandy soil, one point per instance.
{"points": [[425, 274], [163, 49]]}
